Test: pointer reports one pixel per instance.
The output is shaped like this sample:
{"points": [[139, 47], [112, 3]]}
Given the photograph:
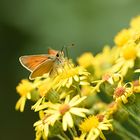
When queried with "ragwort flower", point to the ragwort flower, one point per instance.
{"points": [[42, 126], [127, 58], [93, 126], [122, 92], [65, 111], [24, 89], [66, 77]]}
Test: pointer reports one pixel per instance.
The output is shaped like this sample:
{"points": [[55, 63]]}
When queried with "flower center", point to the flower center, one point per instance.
{"points": [[119, 91], [89, 123], [106, 77], [129, 52], [64, 108], [100, 117]]}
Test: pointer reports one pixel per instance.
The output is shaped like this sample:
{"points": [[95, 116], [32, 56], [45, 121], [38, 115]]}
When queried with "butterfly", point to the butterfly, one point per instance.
{"points": [[43, 63]]}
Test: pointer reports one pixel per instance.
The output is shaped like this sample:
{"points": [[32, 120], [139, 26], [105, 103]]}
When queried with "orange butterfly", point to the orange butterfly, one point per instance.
{"points": [[41, 64]]}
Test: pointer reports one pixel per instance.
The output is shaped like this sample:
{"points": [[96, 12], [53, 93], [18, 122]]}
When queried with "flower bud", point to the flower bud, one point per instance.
{"points": [[53, 96], [35, 95], [121, 115]]}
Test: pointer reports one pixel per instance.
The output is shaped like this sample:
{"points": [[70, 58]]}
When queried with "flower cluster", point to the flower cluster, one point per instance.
{"points": [[97, 96]]}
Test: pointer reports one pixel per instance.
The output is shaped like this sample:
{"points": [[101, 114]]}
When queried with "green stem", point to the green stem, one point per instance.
{"points": [[124, 136], [65, 136], [79, 90], [60, 137], [130, 113], [71, 132], [134, 125], [74, 131], [137, 108], [123, 130]]}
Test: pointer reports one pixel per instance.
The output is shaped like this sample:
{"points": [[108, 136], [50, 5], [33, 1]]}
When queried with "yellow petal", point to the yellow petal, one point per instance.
{"points": [[46, 130], [74, 99], [79, 111], [64, 123], [83, 83], [76, 78], [76, 102], [69, 119]]}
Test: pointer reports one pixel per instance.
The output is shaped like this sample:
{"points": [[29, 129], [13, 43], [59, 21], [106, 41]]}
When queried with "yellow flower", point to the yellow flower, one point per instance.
{"points": [[127, 58], [123, 37], [104, 60], [86, 60], [129, 51], [92, 127], [107, 77], [135, 23], [65, 110], [71, 74], [66, 77], [122, 92], [24, 89], [42, 127]]}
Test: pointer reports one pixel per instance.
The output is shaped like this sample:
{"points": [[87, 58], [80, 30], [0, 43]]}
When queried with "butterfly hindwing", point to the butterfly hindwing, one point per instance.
{"points": [[45, 67]]}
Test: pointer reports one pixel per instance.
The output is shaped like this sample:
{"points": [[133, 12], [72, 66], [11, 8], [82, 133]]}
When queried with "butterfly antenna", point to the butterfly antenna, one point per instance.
{"points": [[67, 53], [62, 48]]}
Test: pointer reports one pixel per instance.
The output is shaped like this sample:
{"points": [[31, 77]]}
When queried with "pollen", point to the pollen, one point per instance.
{"points": [[119, 91], [89, 123], [64, 108]]}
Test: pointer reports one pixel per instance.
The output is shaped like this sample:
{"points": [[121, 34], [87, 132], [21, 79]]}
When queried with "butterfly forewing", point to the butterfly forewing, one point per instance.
{"points": [[45, 67], [31, 62]]}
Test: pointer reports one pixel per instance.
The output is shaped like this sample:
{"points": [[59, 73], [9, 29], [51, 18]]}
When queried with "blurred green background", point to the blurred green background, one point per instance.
{"points": [[31, 26]]}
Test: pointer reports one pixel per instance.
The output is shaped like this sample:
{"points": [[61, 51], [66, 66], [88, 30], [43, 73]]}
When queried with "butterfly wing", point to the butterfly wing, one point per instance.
{"points": [[31, 62], [45, 67]]}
